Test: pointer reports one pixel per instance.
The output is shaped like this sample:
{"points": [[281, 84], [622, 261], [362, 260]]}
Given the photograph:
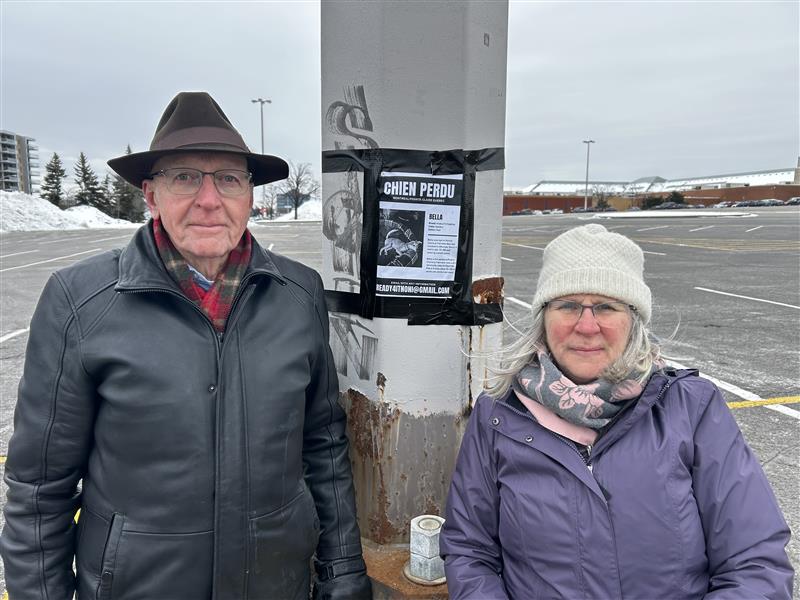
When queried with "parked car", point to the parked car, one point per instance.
{"points": [[770, 202], [793, 201], [723, 204], [668, 205]]}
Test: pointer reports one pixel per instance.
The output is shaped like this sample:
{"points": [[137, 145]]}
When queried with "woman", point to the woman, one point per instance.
{"points": [[590, 469]]}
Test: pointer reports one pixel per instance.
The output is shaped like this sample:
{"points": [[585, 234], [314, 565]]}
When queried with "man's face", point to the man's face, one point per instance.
{"points": [[204, 226]]}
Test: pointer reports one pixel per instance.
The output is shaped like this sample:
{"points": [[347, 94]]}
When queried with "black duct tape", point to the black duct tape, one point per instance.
{"points": [[459, 309]]}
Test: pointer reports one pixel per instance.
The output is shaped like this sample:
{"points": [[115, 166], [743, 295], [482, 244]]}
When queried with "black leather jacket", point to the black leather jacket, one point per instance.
{"points": [[211, 466]]}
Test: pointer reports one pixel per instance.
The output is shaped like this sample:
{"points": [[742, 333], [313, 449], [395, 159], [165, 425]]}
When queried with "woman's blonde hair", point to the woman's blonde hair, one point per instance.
{"points": [[641, 352]]}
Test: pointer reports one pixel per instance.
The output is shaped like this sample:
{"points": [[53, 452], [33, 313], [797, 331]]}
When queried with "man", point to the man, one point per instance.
{"points": [[187, 381]]}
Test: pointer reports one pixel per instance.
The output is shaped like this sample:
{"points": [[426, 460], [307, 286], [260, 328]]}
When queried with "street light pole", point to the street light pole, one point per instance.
{"points": [[586, 188], [262, 102]]}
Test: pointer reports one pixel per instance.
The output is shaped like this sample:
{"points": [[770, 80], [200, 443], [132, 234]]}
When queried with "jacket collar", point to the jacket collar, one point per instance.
{"points": [[514, 421], [656, 387], [511, 419], [140, 266]]}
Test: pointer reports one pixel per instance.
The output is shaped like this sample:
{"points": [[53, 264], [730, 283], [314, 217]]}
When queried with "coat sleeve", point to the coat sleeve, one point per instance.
{"points": [[339, 563], [47, 454], [469, 544], [745, 531]]}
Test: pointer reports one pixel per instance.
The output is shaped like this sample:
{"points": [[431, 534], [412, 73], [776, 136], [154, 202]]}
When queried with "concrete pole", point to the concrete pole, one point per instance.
{"points": [[586, 187], [421, 76], [261, 102]]}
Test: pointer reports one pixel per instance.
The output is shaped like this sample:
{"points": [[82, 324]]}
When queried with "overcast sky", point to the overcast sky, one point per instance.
{"points": [[675, 89]]}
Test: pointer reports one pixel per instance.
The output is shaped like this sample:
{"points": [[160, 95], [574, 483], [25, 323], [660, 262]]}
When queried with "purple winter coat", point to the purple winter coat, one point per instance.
{"points": [[673, 504]]}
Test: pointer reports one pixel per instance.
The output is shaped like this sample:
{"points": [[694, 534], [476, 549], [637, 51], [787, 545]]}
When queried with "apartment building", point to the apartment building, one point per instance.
{"points": [[19, 163]]}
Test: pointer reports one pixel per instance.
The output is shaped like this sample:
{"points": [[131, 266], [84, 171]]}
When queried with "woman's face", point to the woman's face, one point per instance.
{"points": [[584, 348]]}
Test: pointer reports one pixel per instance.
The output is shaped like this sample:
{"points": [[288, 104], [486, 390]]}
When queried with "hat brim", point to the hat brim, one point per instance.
{"points": [[135, 168]]}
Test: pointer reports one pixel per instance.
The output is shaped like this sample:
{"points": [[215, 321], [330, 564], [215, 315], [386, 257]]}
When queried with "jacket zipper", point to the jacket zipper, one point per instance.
{"points": [[617, 417], [219, 339]]}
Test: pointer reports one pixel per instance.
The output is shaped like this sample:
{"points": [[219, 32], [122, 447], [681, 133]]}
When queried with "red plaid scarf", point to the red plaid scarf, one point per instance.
{"points": [[217, 302]]}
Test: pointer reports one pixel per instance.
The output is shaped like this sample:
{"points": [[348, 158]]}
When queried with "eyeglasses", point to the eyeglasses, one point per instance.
{"points": [[185, 182], [607, 314]]}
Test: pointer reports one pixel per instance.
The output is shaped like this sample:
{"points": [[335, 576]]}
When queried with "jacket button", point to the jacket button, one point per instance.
{"points": [[212, 388], [529, 438], [495, 421]]}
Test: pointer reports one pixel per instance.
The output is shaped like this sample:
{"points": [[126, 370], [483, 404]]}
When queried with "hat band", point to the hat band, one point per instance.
{"points": [[198, 136]]}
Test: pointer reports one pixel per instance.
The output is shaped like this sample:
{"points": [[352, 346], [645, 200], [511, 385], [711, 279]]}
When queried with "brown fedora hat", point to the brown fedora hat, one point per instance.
{"points": [[194, 122]]}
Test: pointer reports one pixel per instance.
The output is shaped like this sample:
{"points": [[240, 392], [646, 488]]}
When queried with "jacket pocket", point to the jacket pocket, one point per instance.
{"points": [[177, 566], [109, 558], [282, 543]]}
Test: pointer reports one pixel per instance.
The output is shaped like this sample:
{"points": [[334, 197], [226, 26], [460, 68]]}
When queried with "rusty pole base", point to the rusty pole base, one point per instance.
{"points": [[385, 569]]}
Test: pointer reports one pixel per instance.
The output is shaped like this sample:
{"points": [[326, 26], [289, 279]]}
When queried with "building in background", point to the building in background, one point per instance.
{"points": [[285, 202], [780, 184], [19, 163]]}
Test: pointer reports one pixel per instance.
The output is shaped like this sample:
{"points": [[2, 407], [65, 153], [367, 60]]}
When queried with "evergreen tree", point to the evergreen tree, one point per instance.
{"points": [[105, 204], [89, 193], [127, 201], [676, 197], [51, 186], [652, 201]]}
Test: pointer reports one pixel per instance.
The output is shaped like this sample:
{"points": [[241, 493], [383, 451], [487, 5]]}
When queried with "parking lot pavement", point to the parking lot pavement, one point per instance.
{"points": [[726, 300]]}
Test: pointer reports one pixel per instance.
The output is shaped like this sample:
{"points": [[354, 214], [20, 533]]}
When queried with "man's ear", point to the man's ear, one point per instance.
{"points": [[148, 188]]}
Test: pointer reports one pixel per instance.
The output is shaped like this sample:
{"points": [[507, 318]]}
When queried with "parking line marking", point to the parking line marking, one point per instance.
{"points": [[508, 259], [59, 240], [116, 237], [766, 402], [753, 229], [728, 387], [520, 302], [41, 262], [13, 334], [701, 228], [742, 393], [651, 228], [656, 253], [17, 254], [747, 297], [523, 246]]}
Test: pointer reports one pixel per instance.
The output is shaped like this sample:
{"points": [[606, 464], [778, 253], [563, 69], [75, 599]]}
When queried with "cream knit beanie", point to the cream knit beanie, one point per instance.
{"points": [[592, 260]]}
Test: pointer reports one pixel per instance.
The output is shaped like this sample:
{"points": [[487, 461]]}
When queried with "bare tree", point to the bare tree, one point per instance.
{"points": [[268, 202], [601, 194], [300, 185]]}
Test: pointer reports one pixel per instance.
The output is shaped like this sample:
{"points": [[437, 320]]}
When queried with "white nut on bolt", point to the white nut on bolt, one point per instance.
{"points": [[425, 565]]}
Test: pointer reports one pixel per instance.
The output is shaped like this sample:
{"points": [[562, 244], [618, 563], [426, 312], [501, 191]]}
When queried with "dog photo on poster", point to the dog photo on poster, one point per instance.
{"points": [[418, 224]]}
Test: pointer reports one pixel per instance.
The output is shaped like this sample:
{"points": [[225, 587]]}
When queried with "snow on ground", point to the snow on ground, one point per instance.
{"points": [[308, 211], [21, 212]]}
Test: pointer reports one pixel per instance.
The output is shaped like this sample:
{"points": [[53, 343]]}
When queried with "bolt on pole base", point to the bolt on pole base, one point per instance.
{"points": [[418, 580], [385, 564]]}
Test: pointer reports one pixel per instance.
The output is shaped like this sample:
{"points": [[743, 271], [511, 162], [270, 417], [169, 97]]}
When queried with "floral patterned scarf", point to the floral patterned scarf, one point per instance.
{"points": [[591, 405]]}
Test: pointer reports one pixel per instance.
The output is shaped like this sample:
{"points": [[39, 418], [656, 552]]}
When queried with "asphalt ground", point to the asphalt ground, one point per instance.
{"points": [[726, 295]]}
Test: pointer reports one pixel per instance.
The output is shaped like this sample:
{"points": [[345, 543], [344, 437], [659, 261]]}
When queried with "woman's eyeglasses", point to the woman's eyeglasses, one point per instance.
{"points": [[605, 313]]}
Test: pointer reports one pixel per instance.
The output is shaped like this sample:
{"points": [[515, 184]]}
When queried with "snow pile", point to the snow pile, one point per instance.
{"points": [[310, 210], [21, 212]]}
